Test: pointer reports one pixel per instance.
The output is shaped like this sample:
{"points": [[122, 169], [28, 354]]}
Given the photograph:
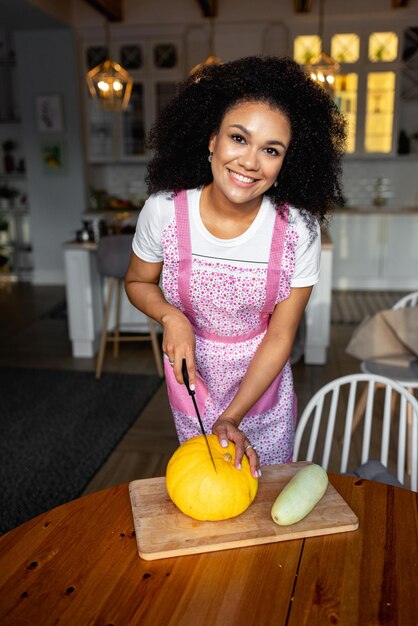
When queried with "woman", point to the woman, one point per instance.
{"points": [[247, 161]]}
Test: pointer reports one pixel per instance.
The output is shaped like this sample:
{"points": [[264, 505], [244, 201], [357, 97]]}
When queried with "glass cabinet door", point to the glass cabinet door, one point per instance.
{"points": [[100, 134], [164, 91], [133, 124]]}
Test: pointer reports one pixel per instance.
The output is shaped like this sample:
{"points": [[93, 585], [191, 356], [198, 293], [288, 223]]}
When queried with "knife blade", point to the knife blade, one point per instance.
{"points": [[191, 393]]}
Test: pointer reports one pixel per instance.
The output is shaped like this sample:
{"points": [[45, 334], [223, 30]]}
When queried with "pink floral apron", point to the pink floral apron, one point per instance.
{"points": [[229, 307]]}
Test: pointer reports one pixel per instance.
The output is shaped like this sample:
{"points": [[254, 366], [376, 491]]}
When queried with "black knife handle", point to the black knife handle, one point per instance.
{"points": [[186, 377]]}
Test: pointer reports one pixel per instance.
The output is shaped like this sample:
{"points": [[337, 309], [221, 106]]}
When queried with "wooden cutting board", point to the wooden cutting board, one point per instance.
{"points": [[163, 531]]}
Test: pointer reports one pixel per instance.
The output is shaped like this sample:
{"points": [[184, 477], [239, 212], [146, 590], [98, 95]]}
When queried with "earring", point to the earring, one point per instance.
{"points": [[210, 157], [275, 184]]}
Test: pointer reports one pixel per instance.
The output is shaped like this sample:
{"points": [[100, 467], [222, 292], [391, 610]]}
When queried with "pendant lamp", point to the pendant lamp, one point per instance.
{"points": [[109, 84], [325, 67], [212, 58]]}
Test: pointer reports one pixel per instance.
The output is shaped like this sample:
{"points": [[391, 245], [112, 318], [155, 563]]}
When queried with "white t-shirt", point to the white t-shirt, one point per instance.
{"points": [[248, 249]]}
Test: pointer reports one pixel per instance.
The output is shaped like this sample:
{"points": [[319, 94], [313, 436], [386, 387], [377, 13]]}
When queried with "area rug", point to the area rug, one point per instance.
{"points": [[351, 307], [57, 427]]}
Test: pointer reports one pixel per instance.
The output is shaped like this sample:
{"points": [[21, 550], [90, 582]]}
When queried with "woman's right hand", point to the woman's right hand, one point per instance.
{"points": [[179, 343]]}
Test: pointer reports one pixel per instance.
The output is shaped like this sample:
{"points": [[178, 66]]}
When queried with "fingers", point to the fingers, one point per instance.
{"points": [[220, 429], [227, 430], [251, 453], [176, 362], [179, 344]]}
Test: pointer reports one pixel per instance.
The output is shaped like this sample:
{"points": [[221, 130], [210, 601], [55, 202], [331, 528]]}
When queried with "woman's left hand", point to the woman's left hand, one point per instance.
{"points": [[227, 430]]}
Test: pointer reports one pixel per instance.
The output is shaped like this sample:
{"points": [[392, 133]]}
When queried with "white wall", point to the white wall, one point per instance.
{"points": [[47, 65]]}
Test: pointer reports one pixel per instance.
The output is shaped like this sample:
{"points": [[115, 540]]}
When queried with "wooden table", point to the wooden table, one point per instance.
{"points": [[78, 564]]}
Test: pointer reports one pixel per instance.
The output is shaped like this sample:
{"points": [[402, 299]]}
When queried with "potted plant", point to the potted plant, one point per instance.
{"points": [[8, 159]]}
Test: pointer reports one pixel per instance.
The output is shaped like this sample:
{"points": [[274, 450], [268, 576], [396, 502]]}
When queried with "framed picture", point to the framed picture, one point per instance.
{"points": [[54, 158], [49, 114]]}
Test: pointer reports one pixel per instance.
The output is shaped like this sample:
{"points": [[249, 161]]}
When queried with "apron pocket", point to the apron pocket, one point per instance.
{"points": [[179, 396], [268, 400]]}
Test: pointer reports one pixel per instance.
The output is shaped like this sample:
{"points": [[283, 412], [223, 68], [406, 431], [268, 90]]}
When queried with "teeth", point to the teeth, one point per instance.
{"points": [[240, 177]]}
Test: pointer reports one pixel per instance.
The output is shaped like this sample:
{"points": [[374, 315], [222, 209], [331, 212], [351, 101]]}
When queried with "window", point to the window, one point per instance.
{"points": [[379, 111], [345, 90], [369, 113], [134, 123], [345, 48], [307, 49], [95, 55], [163, 93], [130, 57], [383, 47], [165, 56]]}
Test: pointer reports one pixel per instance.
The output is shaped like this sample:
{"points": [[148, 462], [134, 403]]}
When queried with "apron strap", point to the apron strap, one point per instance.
{"points": [[275, 262], [185, 251], [185, 259]]}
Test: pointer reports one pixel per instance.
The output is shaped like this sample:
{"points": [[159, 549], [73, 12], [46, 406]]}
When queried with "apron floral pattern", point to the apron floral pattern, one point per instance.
{"points": [[229, 307]]}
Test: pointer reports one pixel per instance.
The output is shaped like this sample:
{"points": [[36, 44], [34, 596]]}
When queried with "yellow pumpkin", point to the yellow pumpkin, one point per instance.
{"points": [[200, 492]]}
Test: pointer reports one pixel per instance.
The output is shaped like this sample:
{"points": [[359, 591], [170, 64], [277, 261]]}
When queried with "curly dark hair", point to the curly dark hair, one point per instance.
{"points": [[310, 178]]}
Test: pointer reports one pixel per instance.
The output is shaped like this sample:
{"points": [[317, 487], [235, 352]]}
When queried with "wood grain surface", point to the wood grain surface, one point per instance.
{"points": [[78, 564], [163, 531]]}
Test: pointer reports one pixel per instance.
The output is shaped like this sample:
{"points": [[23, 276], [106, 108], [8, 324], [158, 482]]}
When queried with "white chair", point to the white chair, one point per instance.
{"points": [[406, 375], [331, 410], [411, 299], [113, 254]]}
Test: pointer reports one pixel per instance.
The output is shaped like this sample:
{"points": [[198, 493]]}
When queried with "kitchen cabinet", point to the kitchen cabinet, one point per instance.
{"points": [[156, 66], [375, 250]]}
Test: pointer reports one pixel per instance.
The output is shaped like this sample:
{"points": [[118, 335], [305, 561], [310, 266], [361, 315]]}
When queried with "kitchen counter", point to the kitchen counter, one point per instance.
{"points": [[375, 248]]}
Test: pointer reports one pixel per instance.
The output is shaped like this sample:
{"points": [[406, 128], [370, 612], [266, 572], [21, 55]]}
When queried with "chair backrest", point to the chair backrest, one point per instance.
{"points": [[113, 254], [411, 299], [334, 405]]}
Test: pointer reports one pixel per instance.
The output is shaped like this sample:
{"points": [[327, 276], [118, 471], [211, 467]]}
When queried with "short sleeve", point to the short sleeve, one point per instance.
{"points": [[146, 243], [307, 253]]}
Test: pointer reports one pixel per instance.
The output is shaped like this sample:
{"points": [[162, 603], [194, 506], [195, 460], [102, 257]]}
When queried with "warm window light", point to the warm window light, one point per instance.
{"points": [[345, 94], [383, 47], [345, 48], [110, 85], [379, 111], [307, 49]]}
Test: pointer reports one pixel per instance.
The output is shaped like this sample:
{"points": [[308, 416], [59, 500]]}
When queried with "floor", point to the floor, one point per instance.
{"points": [[33, 333]]}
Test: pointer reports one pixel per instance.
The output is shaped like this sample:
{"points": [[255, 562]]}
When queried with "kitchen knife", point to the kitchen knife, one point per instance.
{"points": [[192, 394]]}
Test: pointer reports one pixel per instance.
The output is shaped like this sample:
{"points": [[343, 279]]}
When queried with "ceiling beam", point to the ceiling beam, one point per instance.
{"points": [[302, 6], [209, 7], [111, 9]]}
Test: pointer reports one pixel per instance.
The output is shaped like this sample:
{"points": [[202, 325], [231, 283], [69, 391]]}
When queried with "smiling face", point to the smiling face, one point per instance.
{"points": [[248, 151]]}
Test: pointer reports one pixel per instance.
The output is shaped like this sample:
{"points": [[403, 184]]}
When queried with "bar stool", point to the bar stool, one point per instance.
{"points": [[113, 254]]}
